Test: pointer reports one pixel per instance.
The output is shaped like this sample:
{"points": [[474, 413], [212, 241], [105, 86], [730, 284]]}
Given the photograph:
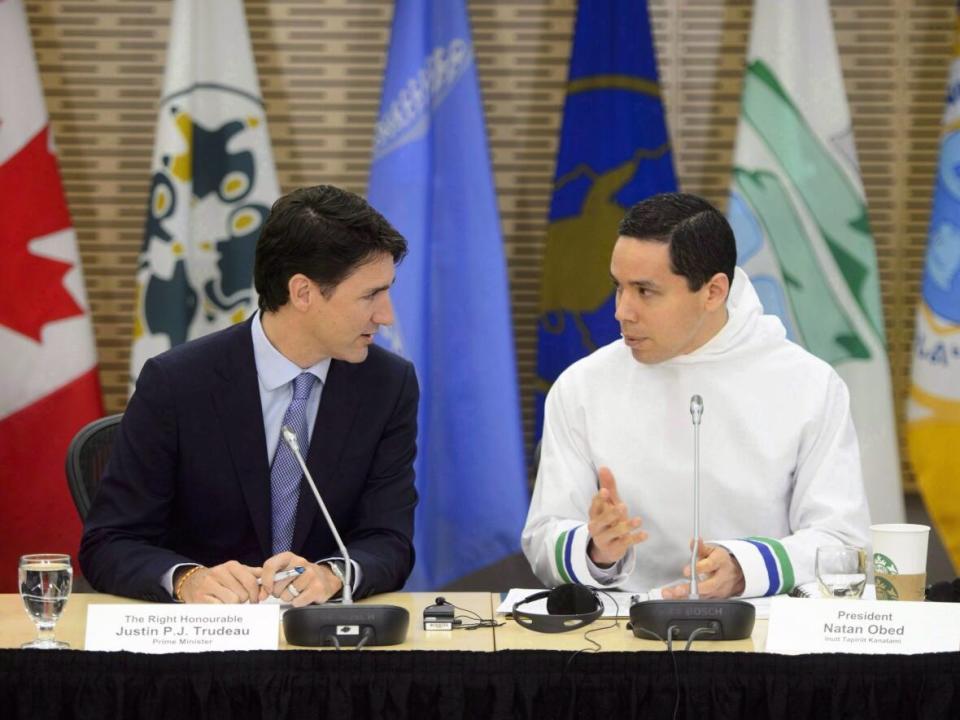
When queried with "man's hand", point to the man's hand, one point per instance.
{"points": [[611, 529], [230, 582], [317, 584], [719, 575]]}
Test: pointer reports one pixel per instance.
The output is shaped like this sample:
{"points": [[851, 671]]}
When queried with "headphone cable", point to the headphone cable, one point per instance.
{"points": [[477, 621]]}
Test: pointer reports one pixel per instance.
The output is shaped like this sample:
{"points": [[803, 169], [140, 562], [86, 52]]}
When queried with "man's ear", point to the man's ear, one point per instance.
{"points": [[301, 291], [718, 289]]}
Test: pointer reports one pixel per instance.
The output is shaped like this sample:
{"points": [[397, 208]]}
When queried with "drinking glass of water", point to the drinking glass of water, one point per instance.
{"points": [[45, 582], [841, 571]]}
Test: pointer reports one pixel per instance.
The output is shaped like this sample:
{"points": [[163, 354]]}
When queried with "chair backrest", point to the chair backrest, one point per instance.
{"points": [[87, 458]]}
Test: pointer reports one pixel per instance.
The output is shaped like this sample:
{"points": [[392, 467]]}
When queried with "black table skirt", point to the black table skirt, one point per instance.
{"points": [[508, 684]]}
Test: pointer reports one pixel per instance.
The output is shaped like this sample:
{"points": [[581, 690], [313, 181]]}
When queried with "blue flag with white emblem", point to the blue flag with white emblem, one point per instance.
{"points": [[614, 152], [431, 178]]}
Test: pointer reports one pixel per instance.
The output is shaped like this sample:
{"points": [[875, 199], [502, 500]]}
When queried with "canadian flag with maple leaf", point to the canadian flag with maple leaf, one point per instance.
{"points": [[49, 387]]}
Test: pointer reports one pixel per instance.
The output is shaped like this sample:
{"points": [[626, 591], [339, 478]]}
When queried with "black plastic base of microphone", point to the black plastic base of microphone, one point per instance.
{"points": [[728, 619], [346, 625]]}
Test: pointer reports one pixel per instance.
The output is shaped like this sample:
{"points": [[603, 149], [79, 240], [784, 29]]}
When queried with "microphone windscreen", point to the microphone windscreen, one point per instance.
{"points": [[571, 599]]}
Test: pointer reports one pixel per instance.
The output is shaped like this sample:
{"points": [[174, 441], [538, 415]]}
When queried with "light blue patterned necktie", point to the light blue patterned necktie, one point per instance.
{"points": [[286, 472]]}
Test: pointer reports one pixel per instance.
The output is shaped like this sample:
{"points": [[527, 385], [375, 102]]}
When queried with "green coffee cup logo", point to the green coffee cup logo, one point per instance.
{"points": [[885, 589], [882, 565]]}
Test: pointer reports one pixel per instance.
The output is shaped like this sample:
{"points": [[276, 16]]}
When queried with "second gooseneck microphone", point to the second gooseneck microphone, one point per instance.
{"points": [[693, 617], [696, 412]]}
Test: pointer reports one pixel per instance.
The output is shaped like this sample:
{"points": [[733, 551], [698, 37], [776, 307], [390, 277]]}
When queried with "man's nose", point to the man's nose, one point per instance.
{"points": [[384, 312], [626, 310]]}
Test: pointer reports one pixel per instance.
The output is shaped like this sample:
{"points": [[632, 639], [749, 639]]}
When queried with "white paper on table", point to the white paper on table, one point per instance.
{"points": [[615, 602], [811, 591], [616, 605]]}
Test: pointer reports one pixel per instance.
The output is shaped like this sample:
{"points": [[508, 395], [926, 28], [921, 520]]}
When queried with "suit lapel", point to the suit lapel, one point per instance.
{"points": [[237, 399], [338, 407]]}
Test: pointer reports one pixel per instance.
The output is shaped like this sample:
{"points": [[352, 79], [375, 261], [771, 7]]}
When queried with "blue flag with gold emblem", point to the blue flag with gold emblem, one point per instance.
{"points": [[614, 152], [431, 178]]}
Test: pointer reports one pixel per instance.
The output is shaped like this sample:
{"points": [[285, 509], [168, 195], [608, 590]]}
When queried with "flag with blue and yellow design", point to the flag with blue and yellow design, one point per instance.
{"points": [[614, 152], [212, 184], [933, 419]]}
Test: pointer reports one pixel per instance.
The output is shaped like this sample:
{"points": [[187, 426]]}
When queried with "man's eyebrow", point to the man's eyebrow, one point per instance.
{"points": [[381, 288], [642, 284]]}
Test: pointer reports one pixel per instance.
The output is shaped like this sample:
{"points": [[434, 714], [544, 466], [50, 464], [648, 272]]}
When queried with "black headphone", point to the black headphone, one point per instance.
{"points": [[569, 607]]}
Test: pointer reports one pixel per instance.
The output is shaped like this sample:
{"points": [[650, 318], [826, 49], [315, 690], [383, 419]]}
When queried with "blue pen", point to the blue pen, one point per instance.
{"points": [[284, 574]]}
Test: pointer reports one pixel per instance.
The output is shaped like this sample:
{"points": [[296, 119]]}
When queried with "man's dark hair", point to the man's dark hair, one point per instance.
{"points": [[700, 238], [323, 232]]}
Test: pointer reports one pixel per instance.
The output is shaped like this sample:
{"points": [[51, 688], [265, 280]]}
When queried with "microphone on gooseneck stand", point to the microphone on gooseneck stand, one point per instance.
{"points": [[693, 618], [344, 624], [696, 412], [290, 438]]}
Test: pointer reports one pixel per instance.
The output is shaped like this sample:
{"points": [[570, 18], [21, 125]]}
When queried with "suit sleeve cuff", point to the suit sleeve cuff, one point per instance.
{"points": [[765, 564], [167, 580]]}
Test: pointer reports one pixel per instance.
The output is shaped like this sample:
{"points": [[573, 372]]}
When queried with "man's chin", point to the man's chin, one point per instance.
{"points": [[646, 356], [354, 355]]}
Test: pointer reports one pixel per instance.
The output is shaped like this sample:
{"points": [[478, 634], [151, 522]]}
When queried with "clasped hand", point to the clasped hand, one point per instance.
{"points": [[719, 575], [233, 582]]}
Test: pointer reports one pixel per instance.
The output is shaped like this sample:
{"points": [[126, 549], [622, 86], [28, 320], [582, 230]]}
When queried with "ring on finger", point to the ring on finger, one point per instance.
{"points": [[293, 591]]}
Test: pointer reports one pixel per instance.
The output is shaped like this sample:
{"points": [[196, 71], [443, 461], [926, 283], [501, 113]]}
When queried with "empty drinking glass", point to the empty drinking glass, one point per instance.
{"points": [[841, 571]]}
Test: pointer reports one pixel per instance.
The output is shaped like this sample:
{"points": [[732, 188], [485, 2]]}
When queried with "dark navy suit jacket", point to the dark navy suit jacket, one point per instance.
{"points": [[188, 480]]}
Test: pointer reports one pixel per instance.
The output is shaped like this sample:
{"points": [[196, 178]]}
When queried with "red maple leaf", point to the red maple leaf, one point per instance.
{"points": [[32, 205]]}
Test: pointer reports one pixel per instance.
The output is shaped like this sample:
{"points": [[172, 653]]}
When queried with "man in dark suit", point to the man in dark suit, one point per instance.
{"points": [[202, 501]]}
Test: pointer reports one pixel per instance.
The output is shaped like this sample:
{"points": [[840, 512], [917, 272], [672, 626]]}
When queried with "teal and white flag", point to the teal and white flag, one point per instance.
{"points": [[799, 212], [213, 182]]}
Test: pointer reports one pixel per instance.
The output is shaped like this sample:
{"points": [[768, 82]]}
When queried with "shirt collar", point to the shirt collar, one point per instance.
{"points": [[274, 369]]}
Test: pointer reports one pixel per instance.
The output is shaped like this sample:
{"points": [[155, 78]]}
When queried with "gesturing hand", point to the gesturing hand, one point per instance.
{"points": [[611, 529]]}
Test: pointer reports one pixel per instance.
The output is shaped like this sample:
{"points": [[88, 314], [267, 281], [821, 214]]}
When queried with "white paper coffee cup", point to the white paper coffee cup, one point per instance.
{"points": [[900, 560]]}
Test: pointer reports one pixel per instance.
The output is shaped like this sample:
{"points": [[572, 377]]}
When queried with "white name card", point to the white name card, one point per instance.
{"points": [[182, 628], [800, 625]]}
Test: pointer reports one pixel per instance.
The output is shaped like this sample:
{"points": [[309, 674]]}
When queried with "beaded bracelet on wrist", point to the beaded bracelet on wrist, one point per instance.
{"points": [[183, 579]]}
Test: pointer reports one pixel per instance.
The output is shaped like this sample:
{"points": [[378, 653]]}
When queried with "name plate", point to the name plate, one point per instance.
{"points": [[182, 628], [862, 626]]}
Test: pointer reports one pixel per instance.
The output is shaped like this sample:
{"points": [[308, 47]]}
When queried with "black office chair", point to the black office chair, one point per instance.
{"points": [[87, 458]]}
